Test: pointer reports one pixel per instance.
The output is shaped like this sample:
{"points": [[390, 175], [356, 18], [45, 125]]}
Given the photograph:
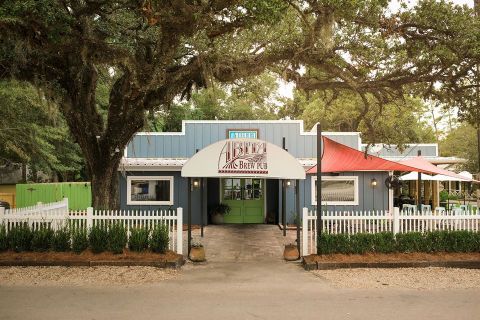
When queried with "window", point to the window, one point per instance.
{"points": [[150, 190], [341, 190]]}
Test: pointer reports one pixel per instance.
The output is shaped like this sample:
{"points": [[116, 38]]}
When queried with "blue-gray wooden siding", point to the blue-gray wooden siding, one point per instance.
{"points": [[369, 198], [428, 150], [198, 135]]}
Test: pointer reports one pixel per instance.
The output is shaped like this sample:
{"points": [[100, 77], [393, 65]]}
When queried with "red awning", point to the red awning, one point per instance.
{"points": [[340, 158], [422, 164]]}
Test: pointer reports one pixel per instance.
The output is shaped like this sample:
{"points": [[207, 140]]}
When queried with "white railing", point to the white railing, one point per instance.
{"points": [[52, 214], [335, 222], [172, 219], [56, 215]]}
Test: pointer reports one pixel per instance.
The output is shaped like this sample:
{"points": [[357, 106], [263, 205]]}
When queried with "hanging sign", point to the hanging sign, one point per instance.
{"points": [[242, 133], [242, 156]]}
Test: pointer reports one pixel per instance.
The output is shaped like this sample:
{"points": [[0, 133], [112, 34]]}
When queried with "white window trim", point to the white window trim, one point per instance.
{"points": [[336, 203], [149, 178]]}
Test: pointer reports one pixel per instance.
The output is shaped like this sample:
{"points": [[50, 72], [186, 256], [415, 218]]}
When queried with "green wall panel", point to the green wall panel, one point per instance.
{"points": [[78, 193]]}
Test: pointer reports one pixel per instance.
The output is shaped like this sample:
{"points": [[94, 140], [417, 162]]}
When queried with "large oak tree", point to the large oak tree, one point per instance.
{"points": [[153, 51]]}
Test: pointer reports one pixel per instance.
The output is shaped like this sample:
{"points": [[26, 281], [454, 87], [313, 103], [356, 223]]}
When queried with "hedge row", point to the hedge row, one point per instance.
{"points": [[386, 242], [98, 239]]}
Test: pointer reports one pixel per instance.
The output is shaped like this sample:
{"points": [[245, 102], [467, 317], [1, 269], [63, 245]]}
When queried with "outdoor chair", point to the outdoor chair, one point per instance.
{"points": [[440, 210], [426, 209]]}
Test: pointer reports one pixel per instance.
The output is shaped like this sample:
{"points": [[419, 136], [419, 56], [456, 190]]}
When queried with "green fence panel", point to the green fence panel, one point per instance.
{"points": [[78, 194]]}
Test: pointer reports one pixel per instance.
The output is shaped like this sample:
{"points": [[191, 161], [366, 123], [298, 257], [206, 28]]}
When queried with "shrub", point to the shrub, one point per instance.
{"points": [[79, 240], [409, 242], [98, 239], [61, 240], [20, 238], [42, 239], [333, 243], [461, 241], [159, 239], [117, 238], [138, 239], [3, 238], [361, 243], [384, 242]]}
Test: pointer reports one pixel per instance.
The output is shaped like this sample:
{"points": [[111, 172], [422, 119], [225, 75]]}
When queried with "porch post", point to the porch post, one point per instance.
{"points": [[319, 183], [419, 190], [189, 216], [284, 210], [298, 215], [202, 211]]}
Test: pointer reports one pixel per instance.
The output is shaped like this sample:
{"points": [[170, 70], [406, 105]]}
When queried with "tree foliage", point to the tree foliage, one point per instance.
{"points": [[33, 132], [461, 142]]}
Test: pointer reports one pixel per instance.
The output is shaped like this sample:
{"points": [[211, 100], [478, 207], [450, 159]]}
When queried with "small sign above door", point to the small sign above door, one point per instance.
{"points": [[242, 133]]}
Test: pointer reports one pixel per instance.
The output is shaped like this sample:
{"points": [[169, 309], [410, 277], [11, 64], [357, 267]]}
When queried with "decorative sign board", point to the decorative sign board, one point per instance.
{"points": [[242, 133], [242, 156]]}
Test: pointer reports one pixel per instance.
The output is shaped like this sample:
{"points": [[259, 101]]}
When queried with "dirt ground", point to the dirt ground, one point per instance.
{"points": [[404, 278], [83, 276], [395, 257], [87, 256]]}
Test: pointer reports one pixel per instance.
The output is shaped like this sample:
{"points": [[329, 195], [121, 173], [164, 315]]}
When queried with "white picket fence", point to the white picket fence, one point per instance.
{"points": [[172, 219], [56, 215], [335, 222], [52, 214]]}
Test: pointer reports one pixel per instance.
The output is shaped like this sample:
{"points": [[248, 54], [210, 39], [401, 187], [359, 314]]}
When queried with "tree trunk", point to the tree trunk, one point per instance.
{"points": [[478, 149], [104, 182]]}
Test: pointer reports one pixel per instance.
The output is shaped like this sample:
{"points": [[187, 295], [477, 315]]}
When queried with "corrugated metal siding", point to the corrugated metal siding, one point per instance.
{"points": [[198, 135], [78, 193]]}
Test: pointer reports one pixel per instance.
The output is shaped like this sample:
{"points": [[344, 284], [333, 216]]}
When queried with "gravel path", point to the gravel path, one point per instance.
{"points": [[410, 278], [83, 276]]}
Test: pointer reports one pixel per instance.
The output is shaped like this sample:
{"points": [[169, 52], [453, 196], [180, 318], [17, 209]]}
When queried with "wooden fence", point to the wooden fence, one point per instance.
{"points": [[348, 222], [56, 215]]}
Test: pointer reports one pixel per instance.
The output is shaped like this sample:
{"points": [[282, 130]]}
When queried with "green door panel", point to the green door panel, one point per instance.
{"points": [[245, 198]]}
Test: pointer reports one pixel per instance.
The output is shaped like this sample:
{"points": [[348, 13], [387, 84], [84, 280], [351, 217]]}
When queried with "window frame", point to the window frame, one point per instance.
{"points": [[355, 202], [149, 178]]}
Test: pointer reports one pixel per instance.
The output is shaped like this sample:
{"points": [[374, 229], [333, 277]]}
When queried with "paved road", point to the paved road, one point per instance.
{"points": [[270, 290]]}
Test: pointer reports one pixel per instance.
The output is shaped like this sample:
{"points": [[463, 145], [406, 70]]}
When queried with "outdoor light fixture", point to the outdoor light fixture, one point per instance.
{"points": [[289, 183], [374, 183], [196, 183]]}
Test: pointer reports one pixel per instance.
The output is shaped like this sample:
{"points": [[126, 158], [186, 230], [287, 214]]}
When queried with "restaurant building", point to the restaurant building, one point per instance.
{"points": [[249, 165]]}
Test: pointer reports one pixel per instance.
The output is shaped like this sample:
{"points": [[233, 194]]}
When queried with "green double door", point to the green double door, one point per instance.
{"points": [[245, 198]]}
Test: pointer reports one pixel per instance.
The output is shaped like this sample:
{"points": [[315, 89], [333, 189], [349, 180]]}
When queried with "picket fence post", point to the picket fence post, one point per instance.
{"points": [[305, 232], [89, 218], [179, 230], [2, 215], [396, 220]]}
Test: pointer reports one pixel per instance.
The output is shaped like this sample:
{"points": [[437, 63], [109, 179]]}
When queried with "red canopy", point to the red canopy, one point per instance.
{"points": [[421, 163], [339, 158]]}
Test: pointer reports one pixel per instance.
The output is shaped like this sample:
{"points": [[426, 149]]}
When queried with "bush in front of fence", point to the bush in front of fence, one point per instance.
{"points": [[3, 238], [98, 239], [117, 238], [138, 240], [159, 239], [79, 240], [61, 240], [42, 239], [20, 238], [386, 242]]}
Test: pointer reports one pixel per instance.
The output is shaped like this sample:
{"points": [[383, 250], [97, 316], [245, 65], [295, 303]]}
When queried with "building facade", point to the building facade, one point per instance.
{"points": [[150, 173]]}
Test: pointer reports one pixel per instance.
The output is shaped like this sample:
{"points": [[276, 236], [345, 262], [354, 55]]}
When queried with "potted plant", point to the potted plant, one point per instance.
{"points": [[218, 211], [290, 253], [197, 252]]}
